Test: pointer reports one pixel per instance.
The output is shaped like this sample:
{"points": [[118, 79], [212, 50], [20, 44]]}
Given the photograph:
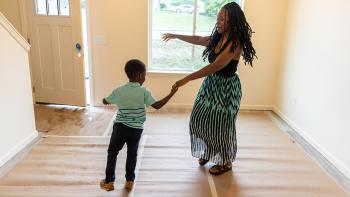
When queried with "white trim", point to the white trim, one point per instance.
{"points": [[188, 106], [168, 73], [242, 107], [334, 161], [19, 147], [13, 32], [256, 107], [98, 104], [172, 108], [89, 50], [178, 106], [242, 4], [149, 42]]}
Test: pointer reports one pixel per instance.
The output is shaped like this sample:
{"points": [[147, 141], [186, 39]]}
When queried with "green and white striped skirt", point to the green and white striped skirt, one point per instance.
{"points": [[213, 119]]}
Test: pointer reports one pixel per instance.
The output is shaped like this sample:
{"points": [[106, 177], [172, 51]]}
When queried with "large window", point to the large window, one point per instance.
{"points": [[189, 17]]}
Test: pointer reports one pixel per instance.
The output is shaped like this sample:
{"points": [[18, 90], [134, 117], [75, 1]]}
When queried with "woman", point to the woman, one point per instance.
{"points": [[213, 118]]}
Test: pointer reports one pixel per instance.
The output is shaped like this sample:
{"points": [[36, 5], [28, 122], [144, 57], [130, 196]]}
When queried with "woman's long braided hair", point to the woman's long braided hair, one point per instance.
{"points": [[239, 30]]}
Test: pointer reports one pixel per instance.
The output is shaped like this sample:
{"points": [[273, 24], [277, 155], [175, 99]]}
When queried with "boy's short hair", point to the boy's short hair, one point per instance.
{"points": [[134, 67]]}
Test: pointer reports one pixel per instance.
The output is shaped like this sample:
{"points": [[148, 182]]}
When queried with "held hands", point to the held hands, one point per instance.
{"points": [[168, 36], [179, 83], [173, 90]]}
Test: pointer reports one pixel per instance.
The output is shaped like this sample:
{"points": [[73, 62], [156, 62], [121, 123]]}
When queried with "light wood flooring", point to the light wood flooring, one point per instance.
{"points": [[72, 121]]}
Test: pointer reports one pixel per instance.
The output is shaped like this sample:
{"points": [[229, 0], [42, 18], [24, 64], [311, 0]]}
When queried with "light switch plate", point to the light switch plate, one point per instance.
{"points": [[100, 40]]}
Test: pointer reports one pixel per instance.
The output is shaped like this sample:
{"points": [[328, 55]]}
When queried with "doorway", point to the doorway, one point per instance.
{"points": [[59, 56]]}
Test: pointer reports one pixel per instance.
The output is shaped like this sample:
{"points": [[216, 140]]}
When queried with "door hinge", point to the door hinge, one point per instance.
{"points": [[33, 89], [28, 39]]}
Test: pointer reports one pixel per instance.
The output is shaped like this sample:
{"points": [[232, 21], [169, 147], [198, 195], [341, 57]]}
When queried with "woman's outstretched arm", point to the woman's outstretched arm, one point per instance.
{"points": [[197, 40], [221, 61]]}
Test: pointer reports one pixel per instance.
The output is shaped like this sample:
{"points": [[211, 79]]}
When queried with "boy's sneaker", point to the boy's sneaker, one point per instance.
{"points": [[106, 186], [128, 185]]}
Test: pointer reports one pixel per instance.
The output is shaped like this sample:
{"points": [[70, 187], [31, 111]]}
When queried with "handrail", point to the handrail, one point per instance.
{"points": [[13, 32]]}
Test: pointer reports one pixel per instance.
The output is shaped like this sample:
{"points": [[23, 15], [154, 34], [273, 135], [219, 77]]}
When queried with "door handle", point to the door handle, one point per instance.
{"points": [[78, 49]]}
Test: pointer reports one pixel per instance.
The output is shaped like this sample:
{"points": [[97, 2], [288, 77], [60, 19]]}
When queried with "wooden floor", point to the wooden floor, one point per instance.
{"points": [[268, 164], [72, 121]]}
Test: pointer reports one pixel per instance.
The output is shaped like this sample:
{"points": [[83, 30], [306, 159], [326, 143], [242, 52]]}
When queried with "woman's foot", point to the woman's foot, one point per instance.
{"points": [[218, 170], [202, 162]]}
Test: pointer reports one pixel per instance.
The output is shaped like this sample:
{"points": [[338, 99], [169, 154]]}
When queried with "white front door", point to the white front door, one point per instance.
{"points": [[56, 51]]}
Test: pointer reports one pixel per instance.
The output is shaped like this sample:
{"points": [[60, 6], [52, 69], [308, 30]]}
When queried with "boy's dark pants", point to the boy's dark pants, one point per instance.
{"points": [[123, 134]]}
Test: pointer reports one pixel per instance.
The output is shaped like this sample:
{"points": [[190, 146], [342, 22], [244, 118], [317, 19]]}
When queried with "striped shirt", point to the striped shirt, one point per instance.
{"points": [[131, 100]]}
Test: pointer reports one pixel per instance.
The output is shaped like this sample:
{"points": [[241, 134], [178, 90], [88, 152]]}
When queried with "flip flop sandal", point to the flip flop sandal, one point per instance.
{"points": [[219, 170], [202, 162]]}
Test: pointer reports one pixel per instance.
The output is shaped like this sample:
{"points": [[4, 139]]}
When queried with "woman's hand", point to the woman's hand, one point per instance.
{"points": [[168, 36], [180, 83], [174, 89]]}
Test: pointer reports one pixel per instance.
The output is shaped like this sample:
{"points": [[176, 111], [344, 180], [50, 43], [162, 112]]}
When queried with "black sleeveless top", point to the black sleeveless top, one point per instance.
{"points": [[230, 69]]}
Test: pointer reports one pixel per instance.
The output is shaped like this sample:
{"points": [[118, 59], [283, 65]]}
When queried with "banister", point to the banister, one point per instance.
{"points": [[13, 32]]}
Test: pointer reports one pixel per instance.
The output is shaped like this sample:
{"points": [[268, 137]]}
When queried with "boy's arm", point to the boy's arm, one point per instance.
{"points": [[112, 98], [159, 104]]}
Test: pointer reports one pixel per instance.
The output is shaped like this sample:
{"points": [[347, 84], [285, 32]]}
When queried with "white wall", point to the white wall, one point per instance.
{"points": [[124, 26], [314, 80], [17, 127], [267, 19]]}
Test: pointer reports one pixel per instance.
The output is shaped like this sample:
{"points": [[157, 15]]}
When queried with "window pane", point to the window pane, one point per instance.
{"points": [[171, 17], [205, 23], [41, 7], [64, 7], [52, 4], [175, 56], [198, 61], [176, 16]]}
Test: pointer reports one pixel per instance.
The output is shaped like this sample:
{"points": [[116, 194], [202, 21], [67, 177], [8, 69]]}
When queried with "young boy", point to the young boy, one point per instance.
{"points": [[128, 125]]}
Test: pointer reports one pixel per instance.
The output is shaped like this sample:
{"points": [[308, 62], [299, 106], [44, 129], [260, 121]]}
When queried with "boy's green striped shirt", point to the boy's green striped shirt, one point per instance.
{"points": [[131, 100]]}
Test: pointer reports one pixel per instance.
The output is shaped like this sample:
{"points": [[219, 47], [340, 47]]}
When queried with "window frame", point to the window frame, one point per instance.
{"points": [[59, 13], [168, 71]]}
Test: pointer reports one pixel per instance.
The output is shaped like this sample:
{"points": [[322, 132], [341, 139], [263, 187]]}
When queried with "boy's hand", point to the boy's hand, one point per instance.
{"points": [[180, 83], [105, 102], [159, 104], [174, 89]]}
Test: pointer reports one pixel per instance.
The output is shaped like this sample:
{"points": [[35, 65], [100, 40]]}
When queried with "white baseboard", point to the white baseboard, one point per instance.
{"points": [[242, 107], [182, 108], [334, 161], [18, 148], [188, 107], [98, 104], [256, 107]]}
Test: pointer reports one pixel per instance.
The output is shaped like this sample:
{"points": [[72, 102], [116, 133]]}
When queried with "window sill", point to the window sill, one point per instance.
{"points": [[168, 73]]}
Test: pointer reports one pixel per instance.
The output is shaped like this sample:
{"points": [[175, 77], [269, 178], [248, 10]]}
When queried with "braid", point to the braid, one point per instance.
{"points": [[214, 40], [239, 30]]}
